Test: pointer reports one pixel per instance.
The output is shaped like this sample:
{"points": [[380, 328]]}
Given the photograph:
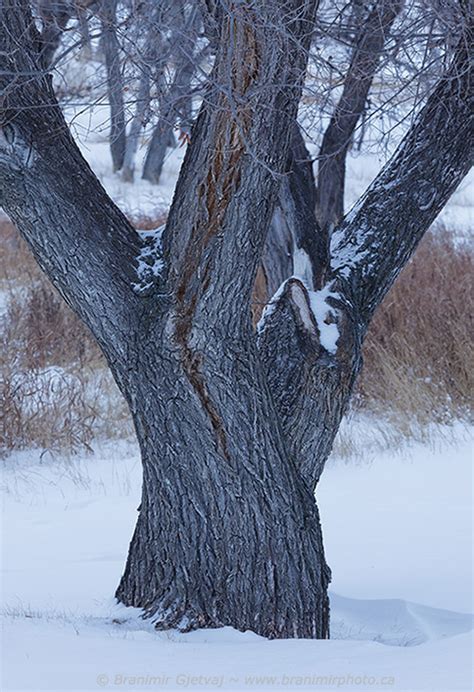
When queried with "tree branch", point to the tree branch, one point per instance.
{"points": [[77, 234], [230, 176], [310, 386], [338, 135], [380, 233]]}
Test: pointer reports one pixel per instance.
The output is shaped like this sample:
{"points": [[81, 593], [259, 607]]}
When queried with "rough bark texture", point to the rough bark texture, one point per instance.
{"points": [[234, 430], [215, 231], [311, 387]]}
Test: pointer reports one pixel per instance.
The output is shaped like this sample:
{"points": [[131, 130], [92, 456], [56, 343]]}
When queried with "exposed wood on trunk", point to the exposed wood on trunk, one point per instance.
{"points": [[234, 431]]}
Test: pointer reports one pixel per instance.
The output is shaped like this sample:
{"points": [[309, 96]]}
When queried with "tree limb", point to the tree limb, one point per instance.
{"points": [[311, 387], [77, 234], [338, 135], [381, 232]]}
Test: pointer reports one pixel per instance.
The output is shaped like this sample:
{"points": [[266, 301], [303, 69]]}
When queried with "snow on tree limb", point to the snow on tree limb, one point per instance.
{"points": [[380, 233]]}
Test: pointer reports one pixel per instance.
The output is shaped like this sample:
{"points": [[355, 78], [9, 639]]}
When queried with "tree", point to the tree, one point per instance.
{"points": [[338, 135], [303, 207], [234, 427], [111, 47], [177, 99]]}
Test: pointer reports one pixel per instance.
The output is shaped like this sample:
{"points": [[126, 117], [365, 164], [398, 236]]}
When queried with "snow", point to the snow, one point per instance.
{"points": [[324, 315], [347, 255], [397, 528], [90, 127], [398, 539], [270, 307], [150, 261]]}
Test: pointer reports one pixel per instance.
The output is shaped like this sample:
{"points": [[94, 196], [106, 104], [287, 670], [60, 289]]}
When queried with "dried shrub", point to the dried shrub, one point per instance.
{"points": [[56, 392], [419, 352], [46, 408], [45, 329], [17, 264]]}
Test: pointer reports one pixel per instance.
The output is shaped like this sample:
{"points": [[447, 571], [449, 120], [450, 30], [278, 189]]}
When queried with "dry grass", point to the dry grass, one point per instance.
{"points": [[419, 353], [145, 222], [57, 393]]}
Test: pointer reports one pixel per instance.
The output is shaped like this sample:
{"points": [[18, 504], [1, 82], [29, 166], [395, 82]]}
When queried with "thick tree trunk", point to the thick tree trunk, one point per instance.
{"points": [[220, 429], [227, 533], [234, 430]]}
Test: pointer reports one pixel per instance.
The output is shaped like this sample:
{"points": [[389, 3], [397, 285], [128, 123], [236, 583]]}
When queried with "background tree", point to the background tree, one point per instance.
{"points": [[234, 426]]}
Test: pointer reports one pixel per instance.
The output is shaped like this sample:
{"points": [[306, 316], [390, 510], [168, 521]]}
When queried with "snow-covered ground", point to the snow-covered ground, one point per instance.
{"points": [[397, 526], [398, 538]]}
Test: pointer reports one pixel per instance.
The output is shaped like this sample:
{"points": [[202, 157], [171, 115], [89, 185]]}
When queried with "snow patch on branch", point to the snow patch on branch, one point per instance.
{"points": [[346, 253], [311, 305], [150, 261], [325, 316]]}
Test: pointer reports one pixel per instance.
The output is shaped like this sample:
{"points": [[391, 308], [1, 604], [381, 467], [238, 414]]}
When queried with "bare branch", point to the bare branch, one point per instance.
{"points": [[47, 188], [338, 136], [381, 232]]}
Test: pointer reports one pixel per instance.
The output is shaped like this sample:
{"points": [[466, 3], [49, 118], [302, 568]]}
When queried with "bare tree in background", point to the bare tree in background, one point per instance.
{"points": [[151, 62], [234, 426], [338, 136], [54, 17], [115, 85]]}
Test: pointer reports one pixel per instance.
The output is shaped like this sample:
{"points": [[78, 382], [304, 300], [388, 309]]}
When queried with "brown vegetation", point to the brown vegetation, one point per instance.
{"points": [[57, 393], [419, 353]]}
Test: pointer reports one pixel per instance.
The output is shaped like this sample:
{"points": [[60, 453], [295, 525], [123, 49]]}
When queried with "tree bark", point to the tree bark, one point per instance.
{"points": [[201, 555], [228, 531]]}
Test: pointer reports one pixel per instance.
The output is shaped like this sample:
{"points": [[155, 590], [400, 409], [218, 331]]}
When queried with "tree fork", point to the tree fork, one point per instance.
{"points": [[228, 538]]}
